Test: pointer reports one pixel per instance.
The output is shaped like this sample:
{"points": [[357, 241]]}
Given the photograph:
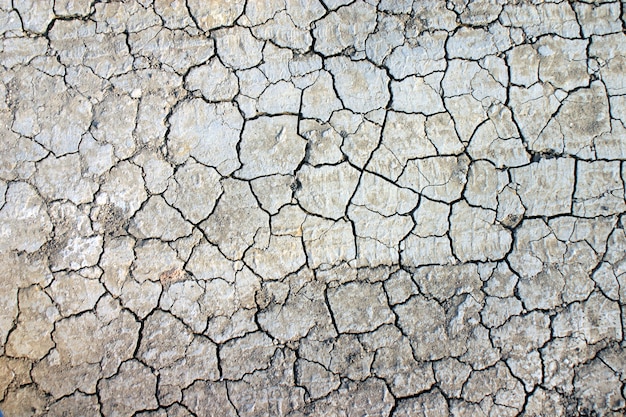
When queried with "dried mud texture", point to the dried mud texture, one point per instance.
{"points": [[312, 207]]}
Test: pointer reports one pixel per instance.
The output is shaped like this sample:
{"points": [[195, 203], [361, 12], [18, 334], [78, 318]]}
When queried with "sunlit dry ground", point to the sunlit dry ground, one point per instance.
{"points": [[312, 207]]}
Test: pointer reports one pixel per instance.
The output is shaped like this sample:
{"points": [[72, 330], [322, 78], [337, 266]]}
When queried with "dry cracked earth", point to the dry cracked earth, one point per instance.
{"points": [[312, 207]]}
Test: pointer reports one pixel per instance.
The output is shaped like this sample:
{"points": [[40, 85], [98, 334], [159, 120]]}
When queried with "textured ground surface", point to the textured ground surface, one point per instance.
{"points": [[304, 207]]}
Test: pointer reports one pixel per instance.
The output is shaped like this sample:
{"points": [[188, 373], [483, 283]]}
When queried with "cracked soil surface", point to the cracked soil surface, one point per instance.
{"points": [[312, 207]]}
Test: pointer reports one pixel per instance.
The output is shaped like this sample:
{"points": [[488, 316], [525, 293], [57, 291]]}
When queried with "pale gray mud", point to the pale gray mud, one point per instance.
{"points": [[312, 207]]}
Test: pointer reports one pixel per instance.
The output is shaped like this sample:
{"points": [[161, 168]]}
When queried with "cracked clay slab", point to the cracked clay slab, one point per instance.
{"points": [[312, 207]]}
